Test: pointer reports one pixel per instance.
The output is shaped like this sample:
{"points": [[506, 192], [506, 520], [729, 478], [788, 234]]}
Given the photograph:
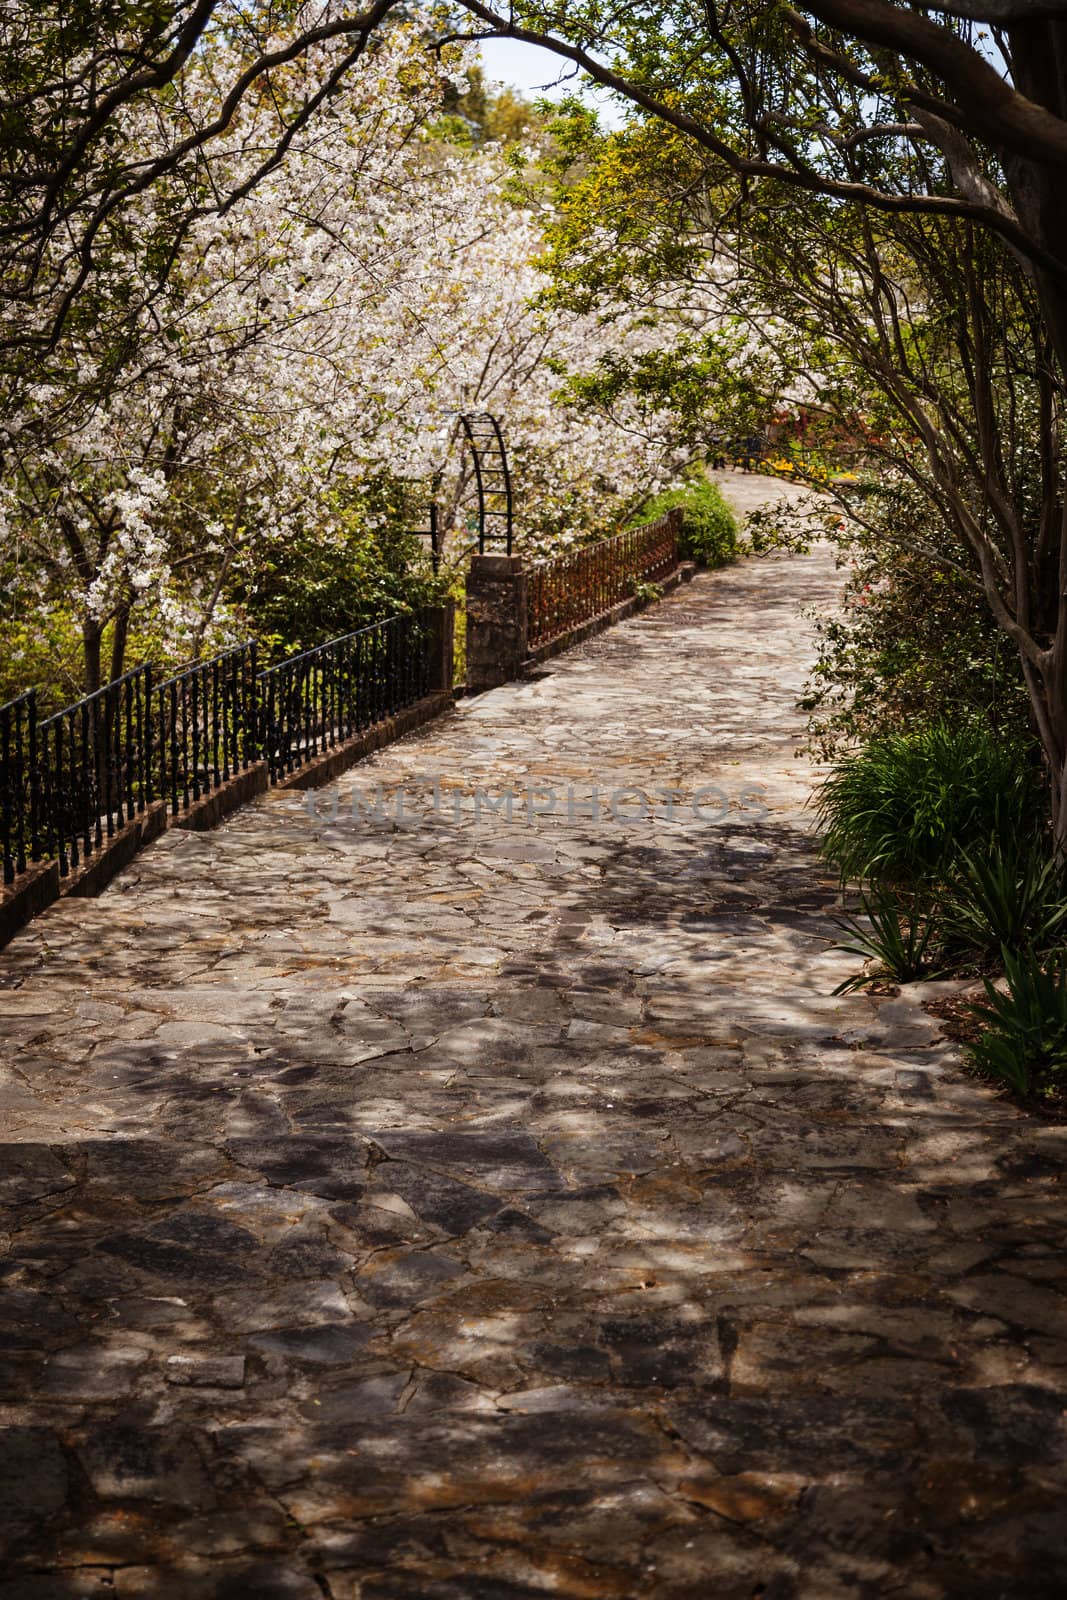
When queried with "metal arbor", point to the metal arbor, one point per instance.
{"points": [[481, 433], [432, 530], [492, 477]]}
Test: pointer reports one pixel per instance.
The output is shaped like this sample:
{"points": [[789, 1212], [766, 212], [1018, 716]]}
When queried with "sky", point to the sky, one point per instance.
{"points": [[534, 72]]}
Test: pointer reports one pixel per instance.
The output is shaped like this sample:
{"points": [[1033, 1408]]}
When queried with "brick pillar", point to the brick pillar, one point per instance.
{"points": [[442, 647], [496, 621], [677, 516]]}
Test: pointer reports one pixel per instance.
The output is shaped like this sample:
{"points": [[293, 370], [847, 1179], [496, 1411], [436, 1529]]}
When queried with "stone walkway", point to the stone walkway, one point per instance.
{"points": [[473, 1209]]}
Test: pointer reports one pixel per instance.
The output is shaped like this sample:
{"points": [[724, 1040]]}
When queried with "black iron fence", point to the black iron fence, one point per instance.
{"points": [[19, 776], [94, 763], [71, 781], [576, 588], [206, 726], [315, 701]]}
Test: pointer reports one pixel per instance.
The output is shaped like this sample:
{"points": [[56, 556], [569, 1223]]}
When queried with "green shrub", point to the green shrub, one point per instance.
{"points": [[913, 641], [709, 527], [946, 825], [907, 808], [296, 588], [1014, 897], [1024, 1042], [901, 937]]}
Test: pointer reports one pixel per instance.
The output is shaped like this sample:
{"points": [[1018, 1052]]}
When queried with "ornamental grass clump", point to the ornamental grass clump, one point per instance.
{"points": [[899, 933], [1024, 1037], [945, 829], [1013, 897], [906, 809]]}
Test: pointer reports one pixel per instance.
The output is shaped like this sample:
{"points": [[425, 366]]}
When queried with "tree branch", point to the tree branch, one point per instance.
{"points": [[992, 107], [746, 167]]}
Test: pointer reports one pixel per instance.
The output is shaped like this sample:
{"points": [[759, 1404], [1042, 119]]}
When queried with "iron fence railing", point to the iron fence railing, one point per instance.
{"points": [[206, 726], [575, 588], [95, 764], [315, 701], [71, 781], [19, 777]]}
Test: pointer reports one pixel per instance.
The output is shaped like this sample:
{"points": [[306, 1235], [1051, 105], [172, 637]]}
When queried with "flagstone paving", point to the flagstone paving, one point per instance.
{"points": [[472, 1209]]}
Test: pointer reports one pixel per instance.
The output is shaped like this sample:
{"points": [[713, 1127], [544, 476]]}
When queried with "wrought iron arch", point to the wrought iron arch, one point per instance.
{"points": [[482, 435], [431, 531], [492, 477]]}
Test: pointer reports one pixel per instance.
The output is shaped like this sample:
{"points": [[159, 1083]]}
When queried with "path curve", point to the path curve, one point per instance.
{"points": [[476, 1210]]}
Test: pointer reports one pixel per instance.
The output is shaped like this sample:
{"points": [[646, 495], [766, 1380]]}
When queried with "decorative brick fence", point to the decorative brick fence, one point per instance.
{"points": [[577, 588], [518, 614]]}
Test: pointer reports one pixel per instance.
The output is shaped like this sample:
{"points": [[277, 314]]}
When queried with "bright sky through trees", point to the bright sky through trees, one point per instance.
{"points": [[536, 73]]}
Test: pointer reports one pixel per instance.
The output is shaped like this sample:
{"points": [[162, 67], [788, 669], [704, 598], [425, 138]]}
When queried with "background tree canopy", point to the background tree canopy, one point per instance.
{"points": [[226, 399]]}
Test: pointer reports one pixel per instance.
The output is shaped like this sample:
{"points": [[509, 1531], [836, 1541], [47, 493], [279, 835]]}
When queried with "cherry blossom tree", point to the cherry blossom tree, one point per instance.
{"points": [[318, 332]]}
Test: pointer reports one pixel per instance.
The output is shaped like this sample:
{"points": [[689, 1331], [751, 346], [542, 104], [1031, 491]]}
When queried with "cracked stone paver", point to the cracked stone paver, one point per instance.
{"points": [[477, 1210]]}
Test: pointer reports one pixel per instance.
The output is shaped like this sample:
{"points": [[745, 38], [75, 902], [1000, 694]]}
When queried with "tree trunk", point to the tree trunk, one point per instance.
{"points": [[118, 642], [1056, 749], [1049, 707], [91, 640], [1059, 812], [209, 610], [1039, 70]]}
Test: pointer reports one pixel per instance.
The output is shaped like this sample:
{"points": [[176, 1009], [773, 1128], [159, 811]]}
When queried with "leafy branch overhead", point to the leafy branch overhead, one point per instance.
{"points": [[825, 99], [865, 199], [834, 97]]}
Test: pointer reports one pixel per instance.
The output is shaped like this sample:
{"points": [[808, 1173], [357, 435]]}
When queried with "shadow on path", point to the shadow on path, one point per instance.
{"points": [[485, 1210]]}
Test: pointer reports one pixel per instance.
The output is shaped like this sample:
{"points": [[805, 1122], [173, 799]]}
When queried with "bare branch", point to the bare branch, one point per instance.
{"points": [[993, 108], [997, 11]]}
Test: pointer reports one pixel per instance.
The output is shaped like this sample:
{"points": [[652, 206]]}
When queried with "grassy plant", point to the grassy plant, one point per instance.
{"points": [[905, 808], [1013, 897], [901, 937], [1024, 1042]]}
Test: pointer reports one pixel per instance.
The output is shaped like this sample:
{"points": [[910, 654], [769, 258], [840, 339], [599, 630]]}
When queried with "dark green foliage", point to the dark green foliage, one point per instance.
{"points": [[1024, 1042], [907, 807], [947, 824], [944, 799], [299, 589], [1013, 897], [901, 938], [709, 527], [312, 592], [913, 641]]}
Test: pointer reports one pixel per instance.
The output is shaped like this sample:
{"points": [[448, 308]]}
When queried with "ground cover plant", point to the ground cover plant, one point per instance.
{"points": [[1023, 1038], [944, 829]]}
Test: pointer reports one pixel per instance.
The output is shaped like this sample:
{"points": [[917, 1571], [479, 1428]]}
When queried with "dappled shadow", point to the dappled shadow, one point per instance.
{"points": [[725, 1336], [481, 1212]]}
